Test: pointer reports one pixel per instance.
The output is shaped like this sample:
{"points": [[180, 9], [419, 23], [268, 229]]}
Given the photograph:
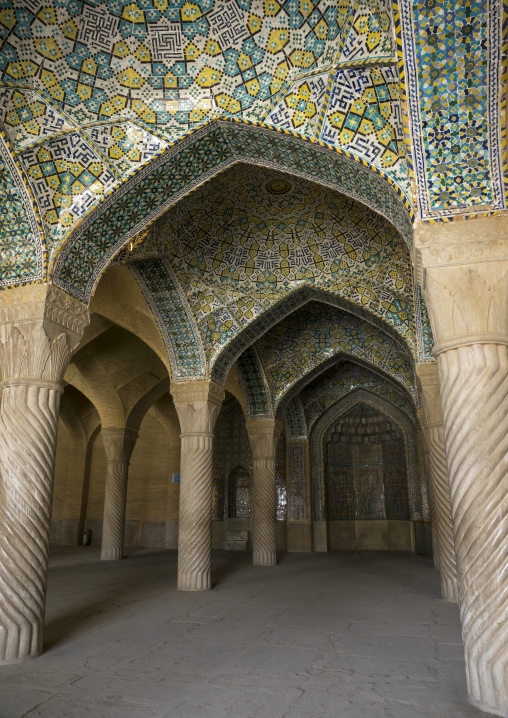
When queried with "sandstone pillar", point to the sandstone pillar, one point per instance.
{"points": [[118, 445], [40, 326], [263, 435], [197, 404], [464, 273], [439, 485]]}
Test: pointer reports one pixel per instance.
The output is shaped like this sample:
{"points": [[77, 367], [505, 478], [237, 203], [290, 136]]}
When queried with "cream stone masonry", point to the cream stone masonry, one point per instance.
{"points": [[422, 420], [464, 270], [118, 444], [40, 327], [428, 384], [197, 404], [263, 435]]}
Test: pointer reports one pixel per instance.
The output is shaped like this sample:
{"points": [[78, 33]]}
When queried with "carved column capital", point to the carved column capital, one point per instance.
{"points": [[463, 270], [118, 443], [263, 436], [40, 327], [197, 404]]}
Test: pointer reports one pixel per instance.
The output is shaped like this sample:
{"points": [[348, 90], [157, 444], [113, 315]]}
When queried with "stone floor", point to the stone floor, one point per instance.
{"points": [[319, 636]]}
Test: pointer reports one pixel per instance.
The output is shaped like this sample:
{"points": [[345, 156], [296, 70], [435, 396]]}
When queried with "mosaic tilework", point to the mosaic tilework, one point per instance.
{"points": [[423, 330], [127, 146], [199, 156], [28, 117], [20, 233], [366, 398], [168, 64], [231, 449], [256, 391], [344, 377], [316, 332], [237, 250], [296, 425], [370, 32], [298, 482], [300, 107], [174, 318], [280, 478], [452, 64], [67, 179], [364, 116]]}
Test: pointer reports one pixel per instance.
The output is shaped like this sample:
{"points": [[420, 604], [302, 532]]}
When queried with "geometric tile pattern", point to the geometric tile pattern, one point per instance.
{"points": [[179, 168], [20, 232], [452, 67], [423, 330], [127, 146], [68, 179], [254, 383], [300, 107], [238, 247], [296, 425], [28, 117], [364, 116], [167, 64], [344, 377], [370, 32], [174, 318], [316, 332]]}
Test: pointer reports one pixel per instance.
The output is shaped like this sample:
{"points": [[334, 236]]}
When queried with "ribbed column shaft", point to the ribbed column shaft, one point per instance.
{"points": [[195, 529], [442, 514], [474, 386], [264, 535], [118, 444], [197, 404], [263, 435], [28, 426]]}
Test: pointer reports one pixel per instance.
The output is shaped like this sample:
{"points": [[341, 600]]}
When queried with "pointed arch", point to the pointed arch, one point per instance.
{"points": [[338, 409]]}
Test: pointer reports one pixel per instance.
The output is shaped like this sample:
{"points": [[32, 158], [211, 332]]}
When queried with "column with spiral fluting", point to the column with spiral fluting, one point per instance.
{"points": [[428, 383], [118, 445], [28, 425], [263, 434], [39, 328], [197, 404], [466, 289], [475, 407]]}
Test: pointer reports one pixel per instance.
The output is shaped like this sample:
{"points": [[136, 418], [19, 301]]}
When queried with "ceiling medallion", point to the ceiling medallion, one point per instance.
{"points": [[278, 187]]}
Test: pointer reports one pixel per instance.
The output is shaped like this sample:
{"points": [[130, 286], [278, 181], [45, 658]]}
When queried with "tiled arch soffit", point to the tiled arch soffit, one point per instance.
{"points": [[342, 407], [310, 340], [99, 99], [311, 396]]}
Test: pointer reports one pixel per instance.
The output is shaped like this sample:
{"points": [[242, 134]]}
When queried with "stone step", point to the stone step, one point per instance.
{"points": [[232, 535], [234, 545]]}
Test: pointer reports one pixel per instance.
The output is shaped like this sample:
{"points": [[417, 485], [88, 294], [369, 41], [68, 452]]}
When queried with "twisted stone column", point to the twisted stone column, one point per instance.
{"points": [[197, 404], [440, 488], [466, 288], [118, 444], [263, 435], [39, 328]]}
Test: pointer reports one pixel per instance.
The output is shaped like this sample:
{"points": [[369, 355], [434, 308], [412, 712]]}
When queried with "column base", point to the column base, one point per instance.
{"points": [[449, 590], [19, 659], [110, 554], [264, 558], [194, 582], [489, 709]]}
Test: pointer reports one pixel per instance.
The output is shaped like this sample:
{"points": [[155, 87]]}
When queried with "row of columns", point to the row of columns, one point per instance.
{"points": [[464, 274]]}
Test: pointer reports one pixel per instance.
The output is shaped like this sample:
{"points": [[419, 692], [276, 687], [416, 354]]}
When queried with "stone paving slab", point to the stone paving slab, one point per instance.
{"points": [[337, 635]]}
